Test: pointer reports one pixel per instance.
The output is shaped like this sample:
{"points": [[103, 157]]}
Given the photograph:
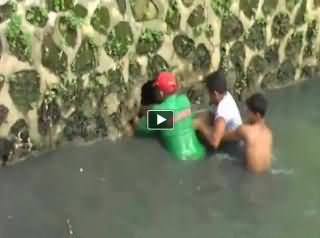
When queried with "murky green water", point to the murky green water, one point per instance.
{"points": [[132, 190]]}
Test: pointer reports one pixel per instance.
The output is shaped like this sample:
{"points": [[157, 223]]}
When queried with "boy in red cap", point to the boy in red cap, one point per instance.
{"points": [[182, 141]]}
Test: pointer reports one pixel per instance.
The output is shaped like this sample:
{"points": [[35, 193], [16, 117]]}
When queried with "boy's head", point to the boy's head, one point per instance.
{"points": [[257, 107], [166, 83], [217, 86], [150, 94]]}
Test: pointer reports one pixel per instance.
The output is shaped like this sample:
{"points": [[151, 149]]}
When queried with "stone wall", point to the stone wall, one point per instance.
{"points": [[73, 69]]}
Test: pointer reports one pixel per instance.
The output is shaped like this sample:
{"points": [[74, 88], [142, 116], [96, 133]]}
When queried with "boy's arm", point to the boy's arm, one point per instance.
{"points": [[235, 135]]}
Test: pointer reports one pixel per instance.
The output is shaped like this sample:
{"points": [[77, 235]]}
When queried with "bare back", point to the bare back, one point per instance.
{"points": [[258, 139]]}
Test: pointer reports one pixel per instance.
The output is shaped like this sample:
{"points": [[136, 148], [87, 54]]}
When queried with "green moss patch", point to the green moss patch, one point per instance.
{"points": [[80, 11], [187, 3], [173, 16], [24, 89], [294, 46], [59, 5], [257, 67], [184, 46], [37, 16], [100, 20], [249, 7], [20, 42], [269, 6], [53, 57], [4, 111], [300, 17], [7, 10], [286, 72], [119, 40], [116, 79], [68, 30], [86, 58], [135, 70], [156, 64], [311, 36], [221, 7], [237, 54], [280, 25], [232, 29], [149, 42], [256, 38], [196, 17], [201, 59], [271, 55]]}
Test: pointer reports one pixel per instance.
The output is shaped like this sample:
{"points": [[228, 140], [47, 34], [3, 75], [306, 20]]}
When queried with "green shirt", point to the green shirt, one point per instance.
{"points": [[182, 141]]}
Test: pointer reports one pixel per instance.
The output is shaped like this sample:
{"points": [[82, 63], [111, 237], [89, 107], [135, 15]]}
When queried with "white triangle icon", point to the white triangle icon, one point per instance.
{"points": [[160, 119]]}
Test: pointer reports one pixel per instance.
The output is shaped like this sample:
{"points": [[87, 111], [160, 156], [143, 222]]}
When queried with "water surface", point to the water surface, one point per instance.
{"points": [[131, 189]]}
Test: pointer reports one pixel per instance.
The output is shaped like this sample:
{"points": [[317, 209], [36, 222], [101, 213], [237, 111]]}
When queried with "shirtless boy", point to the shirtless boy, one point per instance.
{"points": [[256, 135]]}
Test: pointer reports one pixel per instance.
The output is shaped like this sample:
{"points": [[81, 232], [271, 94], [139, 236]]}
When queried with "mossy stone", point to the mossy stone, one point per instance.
{"points": [[222, 7], [309, 71], [20, 129], [187, 3], [122, 5], [294, 46], [201, 59], [317, 3], [156, 64], [184, 46], [280, 25], [286, 72], [256, 38], [196, 17], [4, 111], [24, 89], [86, 58], [269, 6], [144, 10], [232, 29], [119, 40], [59, 5], [271, 55], [257, 67], [49, 115], [269, 80], [237, 53], [7, 10], [249, 7], [80, 11], [53, 57], [149, 42], [311, 36], [37, 16], [68, 31], [300, 19], [173, 16], [290, 4], [116, 79], [100, 20], [76, 126], [2, 80], [135, 70]]}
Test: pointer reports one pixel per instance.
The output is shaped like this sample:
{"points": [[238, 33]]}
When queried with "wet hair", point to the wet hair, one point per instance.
{"points": [[150, 94], [257, 103], [216, 82]]}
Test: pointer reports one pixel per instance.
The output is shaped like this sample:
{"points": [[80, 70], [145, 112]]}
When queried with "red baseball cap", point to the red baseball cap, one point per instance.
{"points": [[167, 83]]}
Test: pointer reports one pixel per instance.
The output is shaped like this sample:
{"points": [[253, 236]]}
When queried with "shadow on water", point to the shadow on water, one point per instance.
{"points": [[131, 189]]}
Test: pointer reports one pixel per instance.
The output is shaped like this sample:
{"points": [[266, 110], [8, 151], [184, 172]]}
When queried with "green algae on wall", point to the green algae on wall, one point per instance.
{"points": [[37, 16]]}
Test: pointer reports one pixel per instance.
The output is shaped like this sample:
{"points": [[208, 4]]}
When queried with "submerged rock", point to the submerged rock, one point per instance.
{"points": [[86, 58], [4, 111], [256, 38], [197, 16], [100, 20], [24, 89], [249, 7], [7, 10], [184, 46], [280, 25], [53, 57], [150, 41], [119, 40], [173, 16], [156, 64], [269, 6], [232, 29], [201, 59], [37, 16]]}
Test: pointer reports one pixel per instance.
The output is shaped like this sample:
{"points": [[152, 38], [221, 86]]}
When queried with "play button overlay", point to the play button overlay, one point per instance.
{"points": [[160, 120]]}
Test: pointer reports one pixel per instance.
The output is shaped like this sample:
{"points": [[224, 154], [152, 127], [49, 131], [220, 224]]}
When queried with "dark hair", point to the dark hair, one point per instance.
{"points": [[216, 82], [150, 94], [257, 103]]}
